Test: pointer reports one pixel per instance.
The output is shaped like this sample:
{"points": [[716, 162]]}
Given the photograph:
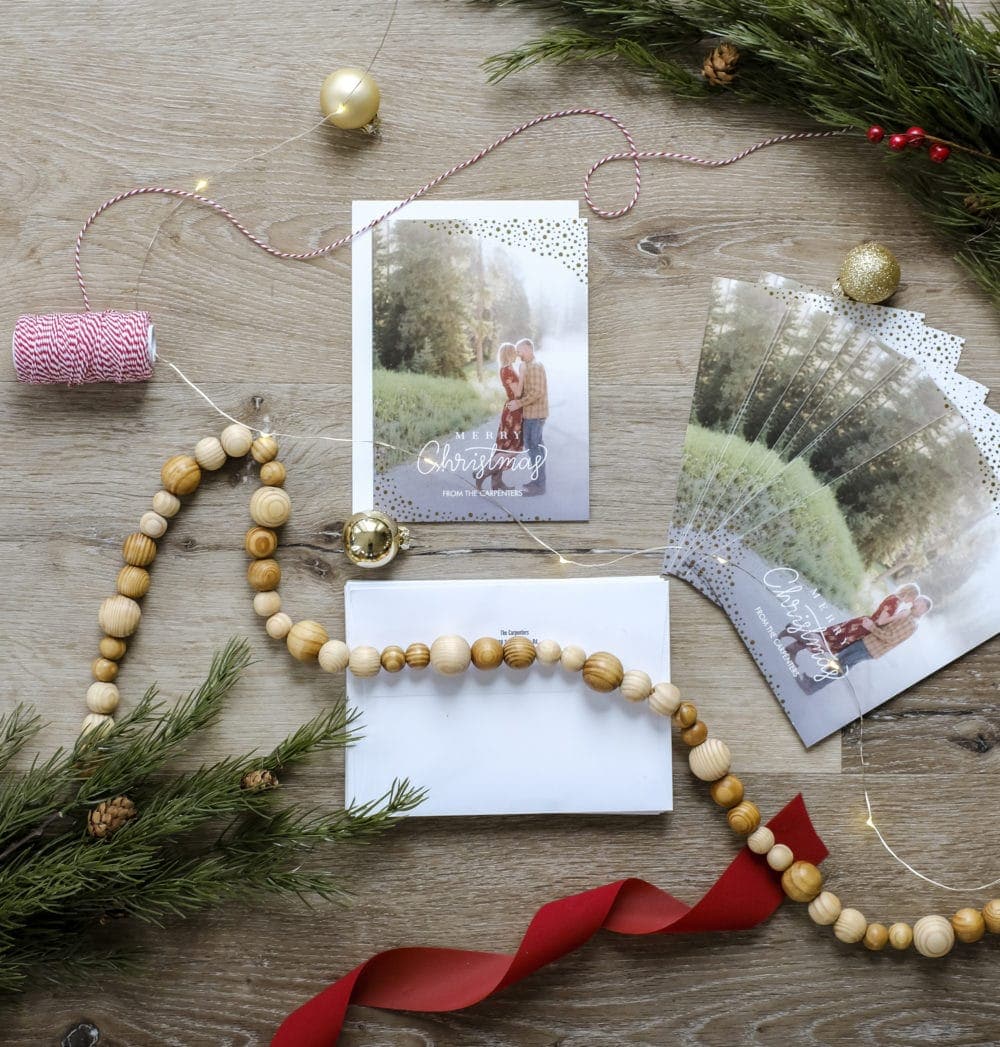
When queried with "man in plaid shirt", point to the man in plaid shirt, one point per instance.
{"points": [[534, 404], [884, 638]]}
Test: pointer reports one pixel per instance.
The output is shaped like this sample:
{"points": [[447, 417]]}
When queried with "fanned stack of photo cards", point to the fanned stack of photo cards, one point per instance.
{"points": [[839, 496]]}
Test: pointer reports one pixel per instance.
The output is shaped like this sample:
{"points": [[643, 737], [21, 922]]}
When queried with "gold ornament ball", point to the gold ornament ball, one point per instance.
{"points": [[372, 539], [349, 99], [869, 273]]}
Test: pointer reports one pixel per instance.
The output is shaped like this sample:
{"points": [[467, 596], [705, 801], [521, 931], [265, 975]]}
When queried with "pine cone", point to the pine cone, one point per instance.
{"points": [[258, 781], [110, 815], [719, 68], [979, 206]]}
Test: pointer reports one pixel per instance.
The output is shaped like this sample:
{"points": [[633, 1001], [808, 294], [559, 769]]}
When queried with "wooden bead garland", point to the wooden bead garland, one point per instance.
{"points": [[518, 652], [933, 936], [603, 672], [305, 639], [180, 474], [487, 653], [450, 655], [139, 550], [270, 507], [119, 616], [709, 758]]}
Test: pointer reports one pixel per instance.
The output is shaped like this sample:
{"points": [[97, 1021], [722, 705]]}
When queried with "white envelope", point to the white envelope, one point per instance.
{"points": [[535, 741]]}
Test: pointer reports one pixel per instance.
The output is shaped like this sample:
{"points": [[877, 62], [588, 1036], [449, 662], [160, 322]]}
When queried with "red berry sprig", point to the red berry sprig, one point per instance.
{"points": [[912, 138]]}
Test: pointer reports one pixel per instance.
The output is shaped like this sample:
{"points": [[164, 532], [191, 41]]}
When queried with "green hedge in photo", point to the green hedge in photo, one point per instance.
{"points": [[801, 523], [411, 409]]}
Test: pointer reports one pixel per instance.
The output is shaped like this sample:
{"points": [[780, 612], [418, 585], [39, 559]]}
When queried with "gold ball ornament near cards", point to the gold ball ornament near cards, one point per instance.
{"points": [[373, 539], [870, 273], [349, 99]]}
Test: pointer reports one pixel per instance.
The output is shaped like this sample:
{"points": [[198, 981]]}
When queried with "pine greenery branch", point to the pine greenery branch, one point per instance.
{"points": [[896, 63], [197, 839]]}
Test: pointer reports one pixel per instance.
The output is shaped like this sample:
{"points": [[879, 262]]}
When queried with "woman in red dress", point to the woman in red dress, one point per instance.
{"points": [[837, 637], [510, 438]]}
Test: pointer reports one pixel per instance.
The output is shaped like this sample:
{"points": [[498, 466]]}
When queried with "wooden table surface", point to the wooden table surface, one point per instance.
{"points": [[99, 97]]}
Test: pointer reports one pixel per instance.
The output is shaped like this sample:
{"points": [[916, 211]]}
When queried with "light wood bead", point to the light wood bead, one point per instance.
{"points": [[139, 550], [278, 625], [180, 474], [209, 453], [802, 881], [264, 449], [825, 908], [743, 818], [549, 652], [665, 699], [695, 735], [710, 760], [95, 724], [111, 647], [603, 672], [270, 506], [393, 659], [334, 656], [133, 581], [267, 603], [487, 653], [102, 698], [273, 474], [636, 686], [166, 504], [876, 937], [933, 936], [519, 652], [573, 658], [119, 615], [260, 542], [686, 715], [780, 857], [761, 840], [450, 655], [236, 440], [418, 656], [152, 524], [264, 574], [968, 925], [901, 936], [991, 915], [365, 661], [727, 792], [850, 926], [103, 669], [304, 640]]}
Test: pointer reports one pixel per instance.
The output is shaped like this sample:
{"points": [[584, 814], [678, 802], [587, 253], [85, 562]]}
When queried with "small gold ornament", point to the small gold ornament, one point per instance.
{"points": [[350, 99], [372, 539], [869, 273]]}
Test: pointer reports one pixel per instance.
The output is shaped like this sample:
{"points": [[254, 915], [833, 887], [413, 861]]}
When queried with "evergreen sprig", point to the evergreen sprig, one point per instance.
{"points": [[199, 839], [896, 63]]}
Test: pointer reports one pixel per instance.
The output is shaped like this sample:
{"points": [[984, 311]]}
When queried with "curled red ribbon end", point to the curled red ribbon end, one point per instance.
{"points": [[424, 979]]}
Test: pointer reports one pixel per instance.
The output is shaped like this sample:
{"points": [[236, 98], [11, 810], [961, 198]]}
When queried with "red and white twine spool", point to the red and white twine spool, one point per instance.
{"points": [[114, 346], [74, 348]]}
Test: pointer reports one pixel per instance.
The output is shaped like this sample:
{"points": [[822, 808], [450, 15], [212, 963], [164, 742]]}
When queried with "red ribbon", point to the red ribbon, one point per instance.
{"points": [[424, 979]]}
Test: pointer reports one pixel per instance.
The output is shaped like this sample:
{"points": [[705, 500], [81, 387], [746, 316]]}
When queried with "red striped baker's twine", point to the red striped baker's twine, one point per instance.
{"points": [[304, 256]]}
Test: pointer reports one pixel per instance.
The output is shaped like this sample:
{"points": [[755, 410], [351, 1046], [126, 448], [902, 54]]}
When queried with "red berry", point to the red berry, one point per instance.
{"points": [[938, 153], [898, 142], [916, 135], [875, 133]]}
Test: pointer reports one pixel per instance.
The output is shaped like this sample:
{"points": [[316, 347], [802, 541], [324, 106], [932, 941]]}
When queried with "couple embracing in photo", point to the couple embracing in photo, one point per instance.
{"points": [[522, 420], [866, 637]]}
